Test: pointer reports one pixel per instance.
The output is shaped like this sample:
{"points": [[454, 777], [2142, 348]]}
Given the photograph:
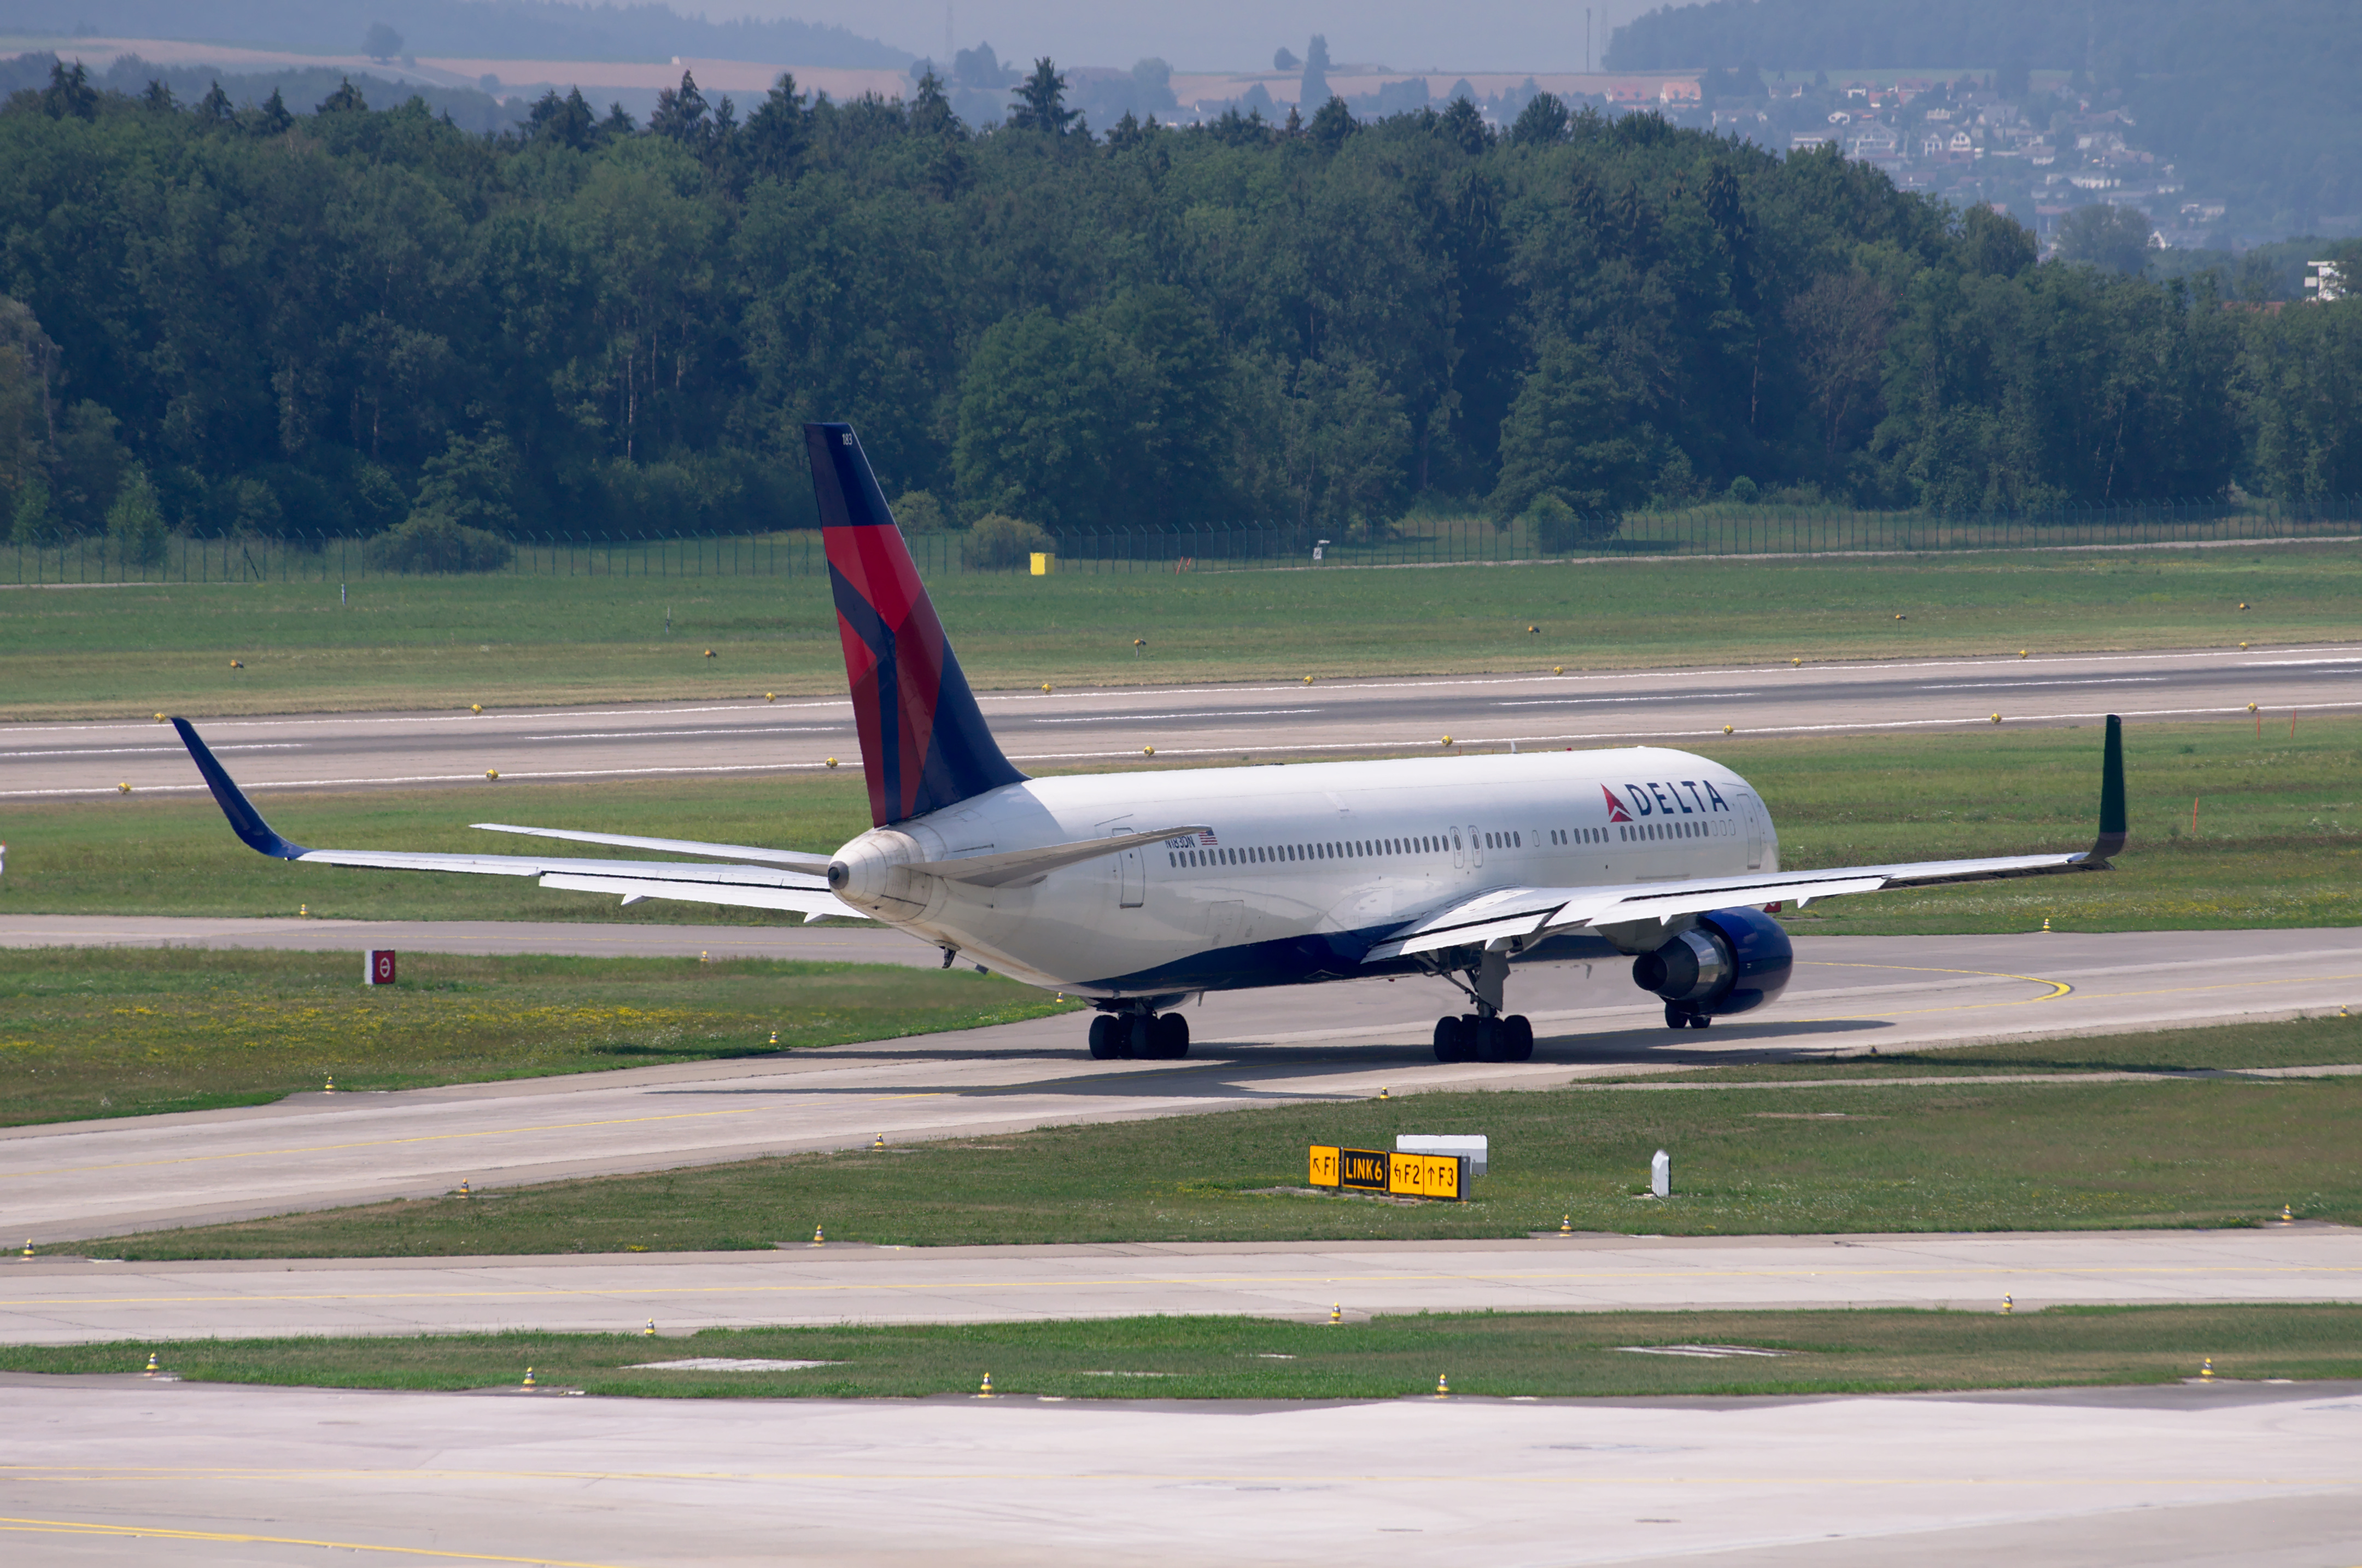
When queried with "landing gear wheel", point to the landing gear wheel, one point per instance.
{"points": [[1455, 1039], [1676, 1018], [1492, 1040], [1103, 1040], [1172, 1032], [1699, 1021], [1140, 1036], [1519, 1031]]}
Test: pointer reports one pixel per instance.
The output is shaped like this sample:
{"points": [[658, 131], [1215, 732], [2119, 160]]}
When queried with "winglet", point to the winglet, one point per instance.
{"points": [[2111, 841], [244, 820]]}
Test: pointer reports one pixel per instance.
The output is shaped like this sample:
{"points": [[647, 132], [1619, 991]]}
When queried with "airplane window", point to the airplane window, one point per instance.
{"points": [[1516, 840]]}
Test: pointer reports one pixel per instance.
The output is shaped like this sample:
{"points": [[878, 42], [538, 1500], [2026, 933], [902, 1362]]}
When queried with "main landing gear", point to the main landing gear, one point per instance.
{"points": [[1147, 1036], [1488, 1034], [1474, 1038], [1683, 1018]]}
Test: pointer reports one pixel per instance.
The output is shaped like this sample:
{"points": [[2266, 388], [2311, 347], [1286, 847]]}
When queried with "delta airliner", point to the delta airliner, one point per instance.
{"points": [[1140, 890]]}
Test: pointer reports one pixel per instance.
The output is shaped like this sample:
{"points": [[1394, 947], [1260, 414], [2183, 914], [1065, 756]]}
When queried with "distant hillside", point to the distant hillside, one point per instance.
{"points": [[2253, 99], [2100, 37], [544, 29], [300, 89]]}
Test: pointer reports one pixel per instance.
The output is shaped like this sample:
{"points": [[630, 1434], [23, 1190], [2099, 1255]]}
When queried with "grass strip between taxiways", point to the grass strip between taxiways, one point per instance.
{"points": [[1507, 1354], [447, 641], [1965, 1154], [127, 1030]]}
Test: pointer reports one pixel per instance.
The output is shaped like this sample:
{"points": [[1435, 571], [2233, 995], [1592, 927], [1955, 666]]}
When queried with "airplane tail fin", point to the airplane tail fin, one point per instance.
{"points": [[923, 741]]}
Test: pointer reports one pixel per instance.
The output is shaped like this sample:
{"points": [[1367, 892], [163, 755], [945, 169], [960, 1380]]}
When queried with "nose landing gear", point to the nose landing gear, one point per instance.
{"points": [[1141, 1035]]}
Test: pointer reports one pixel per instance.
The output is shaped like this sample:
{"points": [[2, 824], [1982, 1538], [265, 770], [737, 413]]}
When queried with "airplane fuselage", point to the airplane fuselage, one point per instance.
{"points": [[1306, 866]]}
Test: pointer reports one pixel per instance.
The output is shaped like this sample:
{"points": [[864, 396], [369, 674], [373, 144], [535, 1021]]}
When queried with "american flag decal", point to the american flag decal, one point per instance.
{"points": [[1207, 836]]}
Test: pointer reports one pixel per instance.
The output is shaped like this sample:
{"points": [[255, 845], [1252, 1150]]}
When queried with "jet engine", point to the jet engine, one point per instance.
{"points": [[1730, 961]]}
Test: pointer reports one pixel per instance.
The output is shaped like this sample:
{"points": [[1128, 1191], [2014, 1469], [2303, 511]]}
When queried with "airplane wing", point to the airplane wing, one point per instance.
{"points": [[753, 887], [1510, 913]]}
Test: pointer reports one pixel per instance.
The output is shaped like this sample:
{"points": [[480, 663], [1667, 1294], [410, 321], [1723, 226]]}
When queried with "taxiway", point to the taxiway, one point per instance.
{"points": [[75, 1180], [1190, 722], [104, 1470]]}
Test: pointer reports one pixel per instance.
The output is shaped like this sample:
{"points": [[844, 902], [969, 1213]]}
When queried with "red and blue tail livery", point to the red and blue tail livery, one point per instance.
{"points": [[923, 741]]}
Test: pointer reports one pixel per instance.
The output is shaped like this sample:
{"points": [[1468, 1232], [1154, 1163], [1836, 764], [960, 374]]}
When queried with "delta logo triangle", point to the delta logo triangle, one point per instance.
{"points": [[1616, 811]]}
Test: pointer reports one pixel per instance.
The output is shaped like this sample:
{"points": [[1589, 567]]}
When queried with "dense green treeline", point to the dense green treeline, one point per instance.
{"points": [[354, 321]]}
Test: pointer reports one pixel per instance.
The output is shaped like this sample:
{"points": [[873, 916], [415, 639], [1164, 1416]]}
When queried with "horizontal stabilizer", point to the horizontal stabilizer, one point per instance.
{"points": [[1017, 865], [801, 859]]}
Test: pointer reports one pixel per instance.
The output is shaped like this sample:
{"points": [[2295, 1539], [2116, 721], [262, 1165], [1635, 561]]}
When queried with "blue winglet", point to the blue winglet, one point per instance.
{"points": [[244, 820]]}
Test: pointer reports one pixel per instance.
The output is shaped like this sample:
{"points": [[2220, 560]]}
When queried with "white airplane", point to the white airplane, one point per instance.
{"points": [[1140, 890]]}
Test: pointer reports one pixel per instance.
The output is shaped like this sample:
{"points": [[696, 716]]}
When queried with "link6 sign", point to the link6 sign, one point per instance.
{"points": [[1398, 1175]]}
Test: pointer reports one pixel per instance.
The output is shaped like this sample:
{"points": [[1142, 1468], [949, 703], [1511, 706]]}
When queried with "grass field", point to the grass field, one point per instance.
{"points": [[446, 642], [1496, 1354], [2324, 1041], [2278, 842], [1964, 1156], [122, 1032]]}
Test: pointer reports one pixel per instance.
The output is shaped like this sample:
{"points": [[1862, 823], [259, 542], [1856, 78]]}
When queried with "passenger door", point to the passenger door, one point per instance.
{"points": [[1752, 810]]}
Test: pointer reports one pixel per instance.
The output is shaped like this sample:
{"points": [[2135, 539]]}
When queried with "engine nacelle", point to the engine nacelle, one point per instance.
{"points": [[1730, 961]]}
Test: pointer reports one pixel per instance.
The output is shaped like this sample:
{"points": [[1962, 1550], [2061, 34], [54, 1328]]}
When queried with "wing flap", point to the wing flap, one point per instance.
{"points": [[809, 903], [1505, 911], [678, 871]]}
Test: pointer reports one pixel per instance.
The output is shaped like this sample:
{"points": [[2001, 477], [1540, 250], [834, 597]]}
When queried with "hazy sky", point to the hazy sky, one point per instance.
{"points": [[1226, 35]]}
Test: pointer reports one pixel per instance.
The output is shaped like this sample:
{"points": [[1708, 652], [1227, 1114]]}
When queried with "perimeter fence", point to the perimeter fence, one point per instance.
{"points": [[1721, 530]]}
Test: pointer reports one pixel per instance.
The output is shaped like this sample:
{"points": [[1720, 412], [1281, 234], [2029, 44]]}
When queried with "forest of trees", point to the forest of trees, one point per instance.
{"points": [[345, 319]]}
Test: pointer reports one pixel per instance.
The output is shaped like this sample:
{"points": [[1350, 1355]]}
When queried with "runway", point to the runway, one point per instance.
{"points": [[77, 1180], [1206, 722], [75, 1301], [98, 1470]]}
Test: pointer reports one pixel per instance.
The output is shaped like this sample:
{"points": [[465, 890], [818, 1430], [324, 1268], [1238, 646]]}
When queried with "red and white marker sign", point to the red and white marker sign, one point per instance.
{"points": [[379, 971]]}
